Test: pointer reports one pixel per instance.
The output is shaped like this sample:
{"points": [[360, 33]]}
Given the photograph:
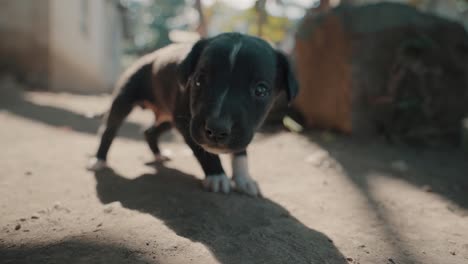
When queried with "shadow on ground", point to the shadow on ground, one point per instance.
{"points": [[441, 171], [235, 228], [15, 103], [70, 252]]}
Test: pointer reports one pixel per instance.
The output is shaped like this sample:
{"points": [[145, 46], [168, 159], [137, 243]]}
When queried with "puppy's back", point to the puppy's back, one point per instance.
{"points": [[137, 81]]}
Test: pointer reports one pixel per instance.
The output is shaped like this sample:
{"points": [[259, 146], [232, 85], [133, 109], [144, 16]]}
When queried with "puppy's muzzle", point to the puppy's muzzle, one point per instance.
{"points": [[218, 130]]}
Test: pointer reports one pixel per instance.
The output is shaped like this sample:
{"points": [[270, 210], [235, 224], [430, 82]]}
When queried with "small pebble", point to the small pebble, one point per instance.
{"points": [[18, 227], [292, 125], [22, 219], [109, 208], [100, 224], [453, 253], [28, 173], [34, 216], [59, 207], [391, 260], [427, 188], [349, 259]]}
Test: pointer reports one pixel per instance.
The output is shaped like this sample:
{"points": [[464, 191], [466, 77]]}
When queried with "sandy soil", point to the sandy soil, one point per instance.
{"points": [[328, 199]]}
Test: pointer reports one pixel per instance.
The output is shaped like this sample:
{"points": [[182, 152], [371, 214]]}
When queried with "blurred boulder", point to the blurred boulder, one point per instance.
{"points": [[464, 134], [383, 69]]}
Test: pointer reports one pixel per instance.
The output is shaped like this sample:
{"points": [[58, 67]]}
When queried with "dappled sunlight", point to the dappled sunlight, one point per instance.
{"points": [[414, 230], [392, 192]]}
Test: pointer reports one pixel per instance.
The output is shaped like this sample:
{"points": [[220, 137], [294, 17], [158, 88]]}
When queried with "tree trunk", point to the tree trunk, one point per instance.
{"points": [[261, 16], [202, 27]]}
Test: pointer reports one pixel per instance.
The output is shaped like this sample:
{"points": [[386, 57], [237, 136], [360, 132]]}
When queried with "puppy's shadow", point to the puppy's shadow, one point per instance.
{"points": [[235, 228]]}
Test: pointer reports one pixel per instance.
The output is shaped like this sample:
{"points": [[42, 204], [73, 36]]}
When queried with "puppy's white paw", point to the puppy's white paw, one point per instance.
{"points": [[245, 184], [217, 183], [96, 164]]}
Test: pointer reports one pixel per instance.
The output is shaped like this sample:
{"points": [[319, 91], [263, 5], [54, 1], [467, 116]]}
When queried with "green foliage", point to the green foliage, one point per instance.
{"points": [[161, 11], [149, 23], [274, 29]]}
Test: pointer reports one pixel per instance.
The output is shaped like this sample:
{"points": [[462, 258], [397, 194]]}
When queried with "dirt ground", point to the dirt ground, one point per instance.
{"points": [[328, 199]]}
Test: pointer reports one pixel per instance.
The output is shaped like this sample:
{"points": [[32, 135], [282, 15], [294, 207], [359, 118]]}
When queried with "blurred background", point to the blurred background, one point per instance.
{"points": [[361, 64], [82, 45]]}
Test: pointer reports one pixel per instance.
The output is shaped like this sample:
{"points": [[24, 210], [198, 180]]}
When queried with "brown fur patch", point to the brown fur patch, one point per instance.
{"points": [[160, 116]]}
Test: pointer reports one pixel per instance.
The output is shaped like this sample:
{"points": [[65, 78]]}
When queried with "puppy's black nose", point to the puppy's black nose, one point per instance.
{"points": [[217, 129]]}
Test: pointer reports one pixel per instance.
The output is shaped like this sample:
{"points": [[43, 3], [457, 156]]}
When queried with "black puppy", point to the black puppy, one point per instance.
{"points": [[216, 92]]}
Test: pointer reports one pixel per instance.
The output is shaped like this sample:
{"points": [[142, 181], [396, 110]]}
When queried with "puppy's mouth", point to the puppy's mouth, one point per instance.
{"points": [[216, 149]]}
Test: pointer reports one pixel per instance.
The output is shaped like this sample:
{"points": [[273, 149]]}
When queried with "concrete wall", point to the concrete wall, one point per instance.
{"points": [[83, 57], [62, 45], [111, 48], [24, 34]]}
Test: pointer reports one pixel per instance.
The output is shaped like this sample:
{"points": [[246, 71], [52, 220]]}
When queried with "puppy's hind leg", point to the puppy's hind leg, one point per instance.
{"points": [[152, 135], [121, 107]]}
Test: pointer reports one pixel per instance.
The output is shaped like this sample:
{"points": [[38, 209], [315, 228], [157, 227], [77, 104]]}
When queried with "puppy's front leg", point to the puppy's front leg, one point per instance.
{"points": [[241, 177], [215, 178]]}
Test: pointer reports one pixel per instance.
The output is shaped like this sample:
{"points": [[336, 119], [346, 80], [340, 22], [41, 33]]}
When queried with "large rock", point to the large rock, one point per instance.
{"points": [[383, 68], [464, 134]]}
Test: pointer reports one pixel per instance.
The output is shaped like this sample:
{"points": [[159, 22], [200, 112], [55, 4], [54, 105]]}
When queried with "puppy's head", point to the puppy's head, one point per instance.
{"points": [[233, 81]]}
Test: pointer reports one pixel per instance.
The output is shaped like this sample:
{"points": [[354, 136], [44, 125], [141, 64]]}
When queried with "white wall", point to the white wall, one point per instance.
{"points": [[24, 37], [111, 45], [79, 60]]}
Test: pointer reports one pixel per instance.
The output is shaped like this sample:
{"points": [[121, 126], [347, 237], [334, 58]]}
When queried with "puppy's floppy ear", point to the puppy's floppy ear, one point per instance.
{"points": [[189, 64], [285, 76]]}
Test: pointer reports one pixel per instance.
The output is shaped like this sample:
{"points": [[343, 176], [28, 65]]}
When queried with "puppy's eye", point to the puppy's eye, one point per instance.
{"points": [[199, 79], [261, 90]]}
